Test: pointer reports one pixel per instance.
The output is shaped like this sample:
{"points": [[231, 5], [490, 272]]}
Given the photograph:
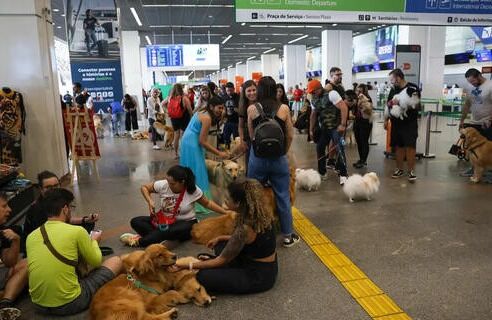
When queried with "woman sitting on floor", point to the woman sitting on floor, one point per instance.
{"points": [[177, 195], [246, 261]]}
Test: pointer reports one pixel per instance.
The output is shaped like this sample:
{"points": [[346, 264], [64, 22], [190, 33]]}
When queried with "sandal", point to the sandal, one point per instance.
{"points": [[205, 256]]}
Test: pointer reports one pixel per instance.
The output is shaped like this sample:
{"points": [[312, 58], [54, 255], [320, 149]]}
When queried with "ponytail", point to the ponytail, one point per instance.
{"points": [[185, 175]]}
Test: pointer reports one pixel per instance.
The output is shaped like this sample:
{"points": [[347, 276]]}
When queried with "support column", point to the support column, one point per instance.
{"points": [[432, 41], [252, 66], [223, 74], [294, 65], [231, 74], [29, 66], [242, 71], [336, 51], [270, 66], [130, 65]]}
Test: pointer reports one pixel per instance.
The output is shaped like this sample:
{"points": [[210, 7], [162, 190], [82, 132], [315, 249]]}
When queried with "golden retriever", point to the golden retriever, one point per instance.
{"points": [[221, 174], [478, 150], [98, 125], [164, 130], [122, 299], [210, 228]]}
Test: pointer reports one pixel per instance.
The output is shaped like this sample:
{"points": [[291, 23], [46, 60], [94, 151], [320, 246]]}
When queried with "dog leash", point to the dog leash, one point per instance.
{"points": [[140, 285]]}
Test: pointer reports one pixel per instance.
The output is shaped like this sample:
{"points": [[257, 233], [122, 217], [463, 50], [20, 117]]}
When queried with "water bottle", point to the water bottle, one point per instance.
{"points": [[342, 141]]}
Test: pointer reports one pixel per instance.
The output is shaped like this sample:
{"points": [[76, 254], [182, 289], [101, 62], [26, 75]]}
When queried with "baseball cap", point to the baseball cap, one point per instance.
{"points": [[313, 85]]}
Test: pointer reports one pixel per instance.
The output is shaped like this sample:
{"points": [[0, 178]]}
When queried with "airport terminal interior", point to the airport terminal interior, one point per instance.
{"points": [[246, 159]]}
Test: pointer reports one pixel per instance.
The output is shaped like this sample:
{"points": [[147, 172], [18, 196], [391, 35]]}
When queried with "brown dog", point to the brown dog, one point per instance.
{"points": [[164, 130], [478, 150], [210, 228], [121, 298]]}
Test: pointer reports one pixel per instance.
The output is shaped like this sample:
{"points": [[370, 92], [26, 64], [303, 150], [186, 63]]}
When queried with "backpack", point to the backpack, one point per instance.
{"points": [[269, 137], [175, 108]]}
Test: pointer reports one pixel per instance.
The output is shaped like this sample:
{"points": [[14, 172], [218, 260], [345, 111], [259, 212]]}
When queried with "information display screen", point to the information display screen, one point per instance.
{"points": [[426, 12], [183, 57], [483, 55]]}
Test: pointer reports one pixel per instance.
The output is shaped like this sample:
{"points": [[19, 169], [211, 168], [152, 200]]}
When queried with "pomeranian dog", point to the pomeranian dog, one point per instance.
{"points": [[361, 187], [407, 99], [308, 179]]}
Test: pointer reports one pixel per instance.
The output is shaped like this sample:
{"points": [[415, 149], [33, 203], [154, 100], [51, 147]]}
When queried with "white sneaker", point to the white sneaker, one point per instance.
{"points": [[343, 179], [156, 147]]}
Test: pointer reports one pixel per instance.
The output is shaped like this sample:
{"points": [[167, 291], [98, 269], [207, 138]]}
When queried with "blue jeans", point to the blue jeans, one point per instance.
{"points": [[118, 120], [90, 34], [327, 135], [276, 172], [230, 129]]}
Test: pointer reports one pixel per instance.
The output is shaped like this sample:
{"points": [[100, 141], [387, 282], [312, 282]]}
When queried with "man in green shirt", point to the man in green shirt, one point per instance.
{"points": [[54, 286]]}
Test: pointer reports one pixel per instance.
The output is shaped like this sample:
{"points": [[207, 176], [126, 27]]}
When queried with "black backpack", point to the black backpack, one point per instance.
{"points": [[269, 137]]}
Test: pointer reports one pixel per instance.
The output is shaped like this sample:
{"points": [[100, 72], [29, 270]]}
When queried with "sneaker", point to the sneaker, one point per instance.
{"points": [[411, 176], [331, 164], [343, 179], [360, 165], [397, 174], [292, 240], [324, 177], [156, 147], [467, 173], [9, 313], [116, 134], [130, 239]]}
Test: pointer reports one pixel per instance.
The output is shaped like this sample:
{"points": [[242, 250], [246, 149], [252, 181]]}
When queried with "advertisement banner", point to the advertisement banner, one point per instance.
{"points": [[385, 43], [93, 43], [183, 57], [86, 146], [102, 79], [427, 12], [408, 60]]}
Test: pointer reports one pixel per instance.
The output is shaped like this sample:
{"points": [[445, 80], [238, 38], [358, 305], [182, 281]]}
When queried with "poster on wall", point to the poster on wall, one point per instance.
{"points": [[385, 43], [313, 59], [63, 66], [427, 12], [93, 43], [408, 60]]}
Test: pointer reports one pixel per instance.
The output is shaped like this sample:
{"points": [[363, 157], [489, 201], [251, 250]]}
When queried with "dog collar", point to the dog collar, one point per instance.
{"points": [[140, 285]]}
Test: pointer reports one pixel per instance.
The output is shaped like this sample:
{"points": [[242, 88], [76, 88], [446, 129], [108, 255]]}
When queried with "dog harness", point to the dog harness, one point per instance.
{"points": [[471, 150], [140, 285]]}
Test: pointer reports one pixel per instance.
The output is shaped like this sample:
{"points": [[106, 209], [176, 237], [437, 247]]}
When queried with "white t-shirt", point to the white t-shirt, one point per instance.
{"points": [[334, 97], [168, 200], [151, 102], [481, 103]]}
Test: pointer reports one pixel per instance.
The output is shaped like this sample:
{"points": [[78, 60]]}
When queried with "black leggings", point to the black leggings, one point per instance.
{"points": [[362, 132], [180, 230], [240, 276], [131, 122]]}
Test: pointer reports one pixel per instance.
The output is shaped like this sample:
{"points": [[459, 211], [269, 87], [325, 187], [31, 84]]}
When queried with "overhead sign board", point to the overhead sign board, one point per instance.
{"points": [[427, 12], [183, 57]]}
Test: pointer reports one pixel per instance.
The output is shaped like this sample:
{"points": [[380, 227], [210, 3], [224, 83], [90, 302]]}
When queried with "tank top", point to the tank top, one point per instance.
{"points": [[263, 246]]}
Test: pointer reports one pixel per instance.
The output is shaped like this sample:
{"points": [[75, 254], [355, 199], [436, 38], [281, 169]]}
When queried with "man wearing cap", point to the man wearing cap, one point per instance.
{"points": [[331, 113]]}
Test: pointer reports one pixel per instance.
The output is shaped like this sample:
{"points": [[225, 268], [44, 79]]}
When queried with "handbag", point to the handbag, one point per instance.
{"points": [[162, 220]]}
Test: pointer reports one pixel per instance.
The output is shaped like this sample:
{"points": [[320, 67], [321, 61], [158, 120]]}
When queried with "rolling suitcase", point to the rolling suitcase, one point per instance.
{"points": [[102, 42]]}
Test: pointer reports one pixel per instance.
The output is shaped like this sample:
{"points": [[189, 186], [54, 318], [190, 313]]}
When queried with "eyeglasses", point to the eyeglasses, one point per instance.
{"points": [[339, 74]]}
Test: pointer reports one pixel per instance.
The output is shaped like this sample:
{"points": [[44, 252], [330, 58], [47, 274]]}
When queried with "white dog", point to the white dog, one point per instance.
{"points": [[361, 187], [407, 99], [308, 179]]}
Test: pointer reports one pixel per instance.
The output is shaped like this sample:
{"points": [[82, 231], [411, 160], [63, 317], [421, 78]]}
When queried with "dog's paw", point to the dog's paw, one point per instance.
{"points": [[173, 313], [474, 179]]}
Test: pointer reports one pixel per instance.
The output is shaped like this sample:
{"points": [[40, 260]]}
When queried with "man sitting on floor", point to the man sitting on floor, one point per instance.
{"points": [[54, 250], [36, 216], [13, 275]]}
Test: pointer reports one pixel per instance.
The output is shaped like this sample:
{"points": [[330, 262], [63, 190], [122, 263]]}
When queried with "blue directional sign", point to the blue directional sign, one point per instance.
{"points": [[165, 56]]}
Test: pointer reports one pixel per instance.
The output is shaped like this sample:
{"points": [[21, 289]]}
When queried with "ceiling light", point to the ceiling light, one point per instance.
{"points": [[230, 66], [135, 15], [297, 39], [148, 40], [190, 73], [243, 24], [335, 24], [56, 10], [316, 27], [247, 34], [272, 49], [188, 26], [210, 17], [59, 27], [251, 58], [383, 25], [238, 62], [62, 15], [227, 39]]}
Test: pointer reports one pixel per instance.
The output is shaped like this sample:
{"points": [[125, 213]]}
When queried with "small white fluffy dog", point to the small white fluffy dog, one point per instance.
{"points": [[407, 99], [308, 179], [361, 187]]}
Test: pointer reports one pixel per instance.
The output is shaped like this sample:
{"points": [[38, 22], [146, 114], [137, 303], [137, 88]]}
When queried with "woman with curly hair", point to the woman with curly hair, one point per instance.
{"points": [[246, 261]]}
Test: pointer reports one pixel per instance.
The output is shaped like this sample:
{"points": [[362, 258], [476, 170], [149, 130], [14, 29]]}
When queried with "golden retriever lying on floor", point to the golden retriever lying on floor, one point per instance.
{"points": [[208, 229], [478, 150], [144, 292]]}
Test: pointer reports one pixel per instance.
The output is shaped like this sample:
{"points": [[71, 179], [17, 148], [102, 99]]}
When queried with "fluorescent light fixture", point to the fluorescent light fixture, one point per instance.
{"points": [[335, 24], [135, 15], [189, 26], [272, 49], [238, 62], [188, 5], [230, 66], [62, 15], [148, 40], [297, 39], [190, 73], [247, 34], [56, 10], [314, 27], [59, 27], [227, 39], [251, 58], [243, 24]]}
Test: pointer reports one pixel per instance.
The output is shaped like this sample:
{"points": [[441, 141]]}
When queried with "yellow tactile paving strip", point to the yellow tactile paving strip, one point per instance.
{"points": [[371, 298]]}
